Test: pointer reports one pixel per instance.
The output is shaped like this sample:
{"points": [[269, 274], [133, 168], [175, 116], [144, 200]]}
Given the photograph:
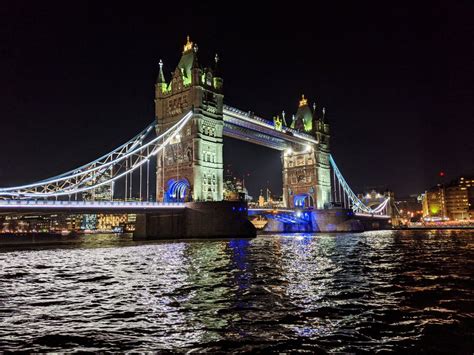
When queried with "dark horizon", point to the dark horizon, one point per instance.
{"points": [[396, 83]]}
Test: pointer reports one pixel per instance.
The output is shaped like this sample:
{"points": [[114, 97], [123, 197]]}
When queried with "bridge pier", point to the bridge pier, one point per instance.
{"points": [[226, 219], [335, 220], [324, 220]]}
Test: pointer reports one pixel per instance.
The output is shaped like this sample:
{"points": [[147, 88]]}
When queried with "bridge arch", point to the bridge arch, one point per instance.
{"points": [[303, 201], [177, 190]]}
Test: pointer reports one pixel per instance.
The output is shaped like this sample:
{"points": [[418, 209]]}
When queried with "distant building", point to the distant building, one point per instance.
{"points": [[410, 207], [434, 205], [234, 188], [39, 223], [102, 192], [453, 201], [109, 222], [459, 195]]}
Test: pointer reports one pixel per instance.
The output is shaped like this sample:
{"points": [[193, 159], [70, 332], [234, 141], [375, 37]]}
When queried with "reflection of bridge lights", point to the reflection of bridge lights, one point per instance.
{"points": [[298, 214]]}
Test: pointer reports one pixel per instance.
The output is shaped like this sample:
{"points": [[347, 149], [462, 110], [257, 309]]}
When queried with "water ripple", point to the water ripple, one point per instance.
{"points": [[376, 291]]}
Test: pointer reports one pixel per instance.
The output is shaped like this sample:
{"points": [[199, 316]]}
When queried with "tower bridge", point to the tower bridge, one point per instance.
{"points": [[191, 121]]}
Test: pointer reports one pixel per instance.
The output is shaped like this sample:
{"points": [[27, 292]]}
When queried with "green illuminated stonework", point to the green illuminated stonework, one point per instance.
{"points": [[306, 170], [197, 155]]}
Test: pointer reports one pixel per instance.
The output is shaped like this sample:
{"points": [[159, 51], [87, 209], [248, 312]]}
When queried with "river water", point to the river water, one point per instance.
{"points": [[400, 291]]}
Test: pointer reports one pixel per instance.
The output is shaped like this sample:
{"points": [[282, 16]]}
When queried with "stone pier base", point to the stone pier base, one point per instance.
{"points": [[226, 219], [328, 220]]}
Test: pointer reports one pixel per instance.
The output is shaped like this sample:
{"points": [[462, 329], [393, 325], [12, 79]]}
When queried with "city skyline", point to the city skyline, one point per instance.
{"points": [[97, 75]]}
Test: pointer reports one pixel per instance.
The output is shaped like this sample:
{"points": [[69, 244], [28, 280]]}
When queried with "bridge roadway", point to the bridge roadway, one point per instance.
{"points": [[53, 206]]}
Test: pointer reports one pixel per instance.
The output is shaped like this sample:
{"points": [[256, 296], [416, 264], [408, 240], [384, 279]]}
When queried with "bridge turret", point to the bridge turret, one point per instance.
{"points": [[218, 81], [321, 129], [161, 85], [304, 117]]}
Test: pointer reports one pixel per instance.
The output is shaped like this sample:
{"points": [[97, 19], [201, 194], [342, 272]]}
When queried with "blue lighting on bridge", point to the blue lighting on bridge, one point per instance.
{"points": [[303, 201], [176, 191]]}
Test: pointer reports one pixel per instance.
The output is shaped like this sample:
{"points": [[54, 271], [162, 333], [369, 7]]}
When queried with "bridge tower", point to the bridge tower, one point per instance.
{"points": [[307, 171], [191, 167]]}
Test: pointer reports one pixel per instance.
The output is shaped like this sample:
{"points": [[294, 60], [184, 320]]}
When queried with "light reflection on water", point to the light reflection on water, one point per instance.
{"points": [[384, 290]]}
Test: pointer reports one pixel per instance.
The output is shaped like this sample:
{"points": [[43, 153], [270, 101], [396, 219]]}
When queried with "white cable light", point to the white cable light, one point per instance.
{"points": [[69, 191]]}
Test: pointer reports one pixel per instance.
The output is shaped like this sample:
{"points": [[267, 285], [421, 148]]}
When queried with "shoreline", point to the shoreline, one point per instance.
{"points": [[436, 228]]}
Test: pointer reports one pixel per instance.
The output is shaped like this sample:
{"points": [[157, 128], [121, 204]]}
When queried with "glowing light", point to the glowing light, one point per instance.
{"points": [[289, 151], [188, 46], [303, 101], [308, 148], [441, 173]]}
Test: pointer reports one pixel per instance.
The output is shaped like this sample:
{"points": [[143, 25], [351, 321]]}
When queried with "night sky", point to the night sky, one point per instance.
{"points": [[77, 80]]}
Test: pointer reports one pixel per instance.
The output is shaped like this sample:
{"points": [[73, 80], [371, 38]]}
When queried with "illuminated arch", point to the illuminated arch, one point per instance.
{"points": [[303, 201], [177, 190]]}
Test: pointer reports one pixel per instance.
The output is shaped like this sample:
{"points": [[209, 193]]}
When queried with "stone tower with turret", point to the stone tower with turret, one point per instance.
{"points": [[323, 167], [306, 170], [190, 168]]}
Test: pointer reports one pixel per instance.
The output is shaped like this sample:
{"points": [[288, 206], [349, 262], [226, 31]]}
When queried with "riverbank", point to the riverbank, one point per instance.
{"points": [[437, 228]]}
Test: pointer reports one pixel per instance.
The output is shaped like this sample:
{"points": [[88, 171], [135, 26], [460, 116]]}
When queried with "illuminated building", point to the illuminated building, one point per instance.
{"points": [[410, 207], [261, 200], [40, 223], [191, 168], [434, 206], [459, 195], [99, 193], [234, 188], [89, 222], [453, 201], [306, 172], [109, 222]]}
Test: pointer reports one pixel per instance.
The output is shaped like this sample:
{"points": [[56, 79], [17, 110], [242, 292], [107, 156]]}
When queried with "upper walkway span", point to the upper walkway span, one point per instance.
{"points": [[252, 128]]}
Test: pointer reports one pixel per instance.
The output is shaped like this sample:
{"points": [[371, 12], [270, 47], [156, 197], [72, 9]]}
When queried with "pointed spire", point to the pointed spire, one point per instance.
{"points": [[314, 106], [161, 76], [188, 46], [216, 66], [303, 101], [324, 114]]}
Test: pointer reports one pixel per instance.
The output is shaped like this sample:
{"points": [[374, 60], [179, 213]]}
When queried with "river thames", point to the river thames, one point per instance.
{"points": [[396, 291]]}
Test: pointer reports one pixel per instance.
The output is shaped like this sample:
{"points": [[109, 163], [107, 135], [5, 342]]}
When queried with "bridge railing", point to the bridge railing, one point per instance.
{"points": [[98, 204], [269, 124]]}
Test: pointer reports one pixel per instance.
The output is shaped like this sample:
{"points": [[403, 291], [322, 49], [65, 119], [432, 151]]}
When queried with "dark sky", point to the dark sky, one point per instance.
{"points": [[77, 80]]}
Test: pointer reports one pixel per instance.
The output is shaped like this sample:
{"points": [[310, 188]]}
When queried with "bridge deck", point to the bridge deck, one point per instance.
{"points": [[86, 206]]}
